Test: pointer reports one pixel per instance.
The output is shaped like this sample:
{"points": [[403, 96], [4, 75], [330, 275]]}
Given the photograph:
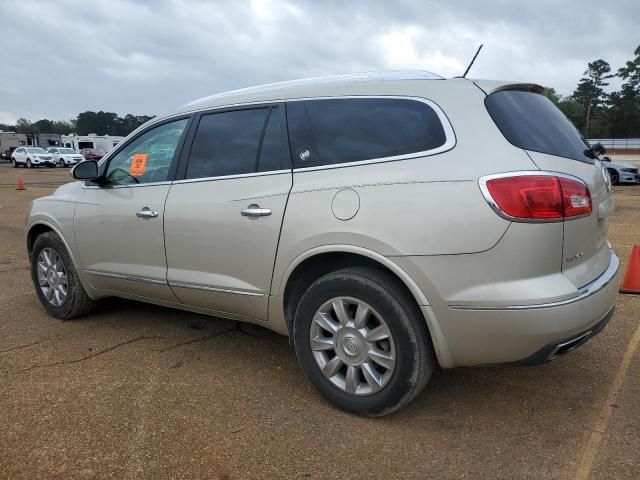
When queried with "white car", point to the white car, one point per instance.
{"points": [[31, 157], [621, 172], [65, 156]]}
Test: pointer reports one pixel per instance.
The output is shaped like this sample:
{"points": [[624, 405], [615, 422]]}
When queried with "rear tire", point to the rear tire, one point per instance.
{"points": [[403, 360], [613, 175], [69, 302]]}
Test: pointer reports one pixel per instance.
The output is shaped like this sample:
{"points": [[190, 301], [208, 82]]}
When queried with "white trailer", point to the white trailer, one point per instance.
{"points": [[99, 142]]}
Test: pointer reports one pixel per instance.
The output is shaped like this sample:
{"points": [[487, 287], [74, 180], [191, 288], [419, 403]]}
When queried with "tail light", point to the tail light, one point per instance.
{"points": [[536, 197]]}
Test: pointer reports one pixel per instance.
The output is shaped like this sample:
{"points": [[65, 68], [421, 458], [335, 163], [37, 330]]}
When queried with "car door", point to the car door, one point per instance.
{"points": [[20, 155], [119, 224], [223, 216]]}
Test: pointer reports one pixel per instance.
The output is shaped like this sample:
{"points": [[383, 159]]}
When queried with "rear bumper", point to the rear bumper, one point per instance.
{"points": [[559, 348], [529, 334]]}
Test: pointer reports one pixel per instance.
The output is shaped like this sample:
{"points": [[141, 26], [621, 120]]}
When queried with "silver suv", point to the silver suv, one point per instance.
{"points": [[386, 222]]}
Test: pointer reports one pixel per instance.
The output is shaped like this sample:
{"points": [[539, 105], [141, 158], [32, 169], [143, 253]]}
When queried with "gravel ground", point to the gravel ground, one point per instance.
{"points": [[137, 391]]}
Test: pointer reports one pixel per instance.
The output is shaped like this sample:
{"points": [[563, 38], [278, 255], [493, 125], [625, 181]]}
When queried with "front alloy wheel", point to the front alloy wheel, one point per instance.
{"points": [[52, 277], [29, 165], [56, 280], [61, 163]]}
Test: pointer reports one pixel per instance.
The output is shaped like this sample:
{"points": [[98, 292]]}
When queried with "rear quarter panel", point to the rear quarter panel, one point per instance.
{"points": [[422, 206]]}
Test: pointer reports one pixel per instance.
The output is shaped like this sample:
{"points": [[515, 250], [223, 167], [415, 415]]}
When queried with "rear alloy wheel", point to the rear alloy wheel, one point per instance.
{"points": [[613, 175], [362, 341], [55, 279], [29, 165], [352, 346]]}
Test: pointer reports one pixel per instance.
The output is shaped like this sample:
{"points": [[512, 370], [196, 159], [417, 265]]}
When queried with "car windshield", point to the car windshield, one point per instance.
{"points": [[67, 150], [35, 150]]}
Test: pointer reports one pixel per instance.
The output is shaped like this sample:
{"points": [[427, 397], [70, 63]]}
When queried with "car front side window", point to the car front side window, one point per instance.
{"points": [[148, 157]]}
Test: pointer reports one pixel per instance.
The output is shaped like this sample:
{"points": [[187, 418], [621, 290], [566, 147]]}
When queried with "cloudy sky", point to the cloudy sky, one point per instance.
{"points": [[61, 57]]}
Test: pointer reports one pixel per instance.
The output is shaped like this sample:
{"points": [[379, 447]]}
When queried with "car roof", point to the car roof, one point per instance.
{"points": [[306, 87]]}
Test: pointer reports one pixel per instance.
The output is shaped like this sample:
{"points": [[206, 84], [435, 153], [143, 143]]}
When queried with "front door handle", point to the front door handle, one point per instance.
{"points": [[146, 212], [254, 210]]}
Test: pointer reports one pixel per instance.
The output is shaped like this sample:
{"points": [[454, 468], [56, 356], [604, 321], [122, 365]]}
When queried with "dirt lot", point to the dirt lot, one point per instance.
{"points": [[136, 391]]}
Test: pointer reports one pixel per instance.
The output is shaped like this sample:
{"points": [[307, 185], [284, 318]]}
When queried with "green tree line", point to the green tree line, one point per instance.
{"points": [[100, 123], [601, 114]]}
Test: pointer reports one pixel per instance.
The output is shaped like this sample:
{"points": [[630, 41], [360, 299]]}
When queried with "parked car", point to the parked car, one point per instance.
{"points": [[65, 157], [385, 224], [621, 172], [31, 157], [92, 153]]}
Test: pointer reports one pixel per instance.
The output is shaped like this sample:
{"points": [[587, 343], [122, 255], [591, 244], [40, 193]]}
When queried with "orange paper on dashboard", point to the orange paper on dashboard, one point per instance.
{"points": [[138, 164]]}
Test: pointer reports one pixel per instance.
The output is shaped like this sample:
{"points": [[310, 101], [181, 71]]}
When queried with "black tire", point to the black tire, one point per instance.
{"points": [[77, 303], [415, 360], [13, 163], [62, 164], [613, 175], [29, 164]]}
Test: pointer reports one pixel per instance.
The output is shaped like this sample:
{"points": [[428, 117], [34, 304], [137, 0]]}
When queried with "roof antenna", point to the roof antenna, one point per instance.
{"points": [[472, 60]]}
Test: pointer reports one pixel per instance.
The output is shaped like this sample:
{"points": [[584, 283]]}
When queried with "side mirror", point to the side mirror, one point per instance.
{"points": [[87, 170], [598, 149]]}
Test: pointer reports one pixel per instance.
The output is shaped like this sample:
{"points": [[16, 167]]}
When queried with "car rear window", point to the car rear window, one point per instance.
{"points": [[531, 121], [333, 131]]}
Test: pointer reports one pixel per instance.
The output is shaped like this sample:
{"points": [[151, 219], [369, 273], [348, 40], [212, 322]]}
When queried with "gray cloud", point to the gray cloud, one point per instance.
{"points": [[126, 56]]}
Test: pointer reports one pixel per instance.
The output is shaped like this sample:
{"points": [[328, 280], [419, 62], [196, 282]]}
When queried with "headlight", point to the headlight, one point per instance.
{"points": [[629, 170]]}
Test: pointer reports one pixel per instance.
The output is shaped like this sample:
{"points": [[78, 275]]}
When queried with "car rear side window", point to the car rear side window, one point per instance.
{"points": [[334, 131], [237, 142], [531, 121]]}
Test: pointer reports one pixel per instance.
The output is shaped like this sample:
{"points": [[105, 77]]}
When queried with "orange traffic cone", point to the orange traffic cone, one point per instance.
{"points": [[631, 282], [20, 185]]}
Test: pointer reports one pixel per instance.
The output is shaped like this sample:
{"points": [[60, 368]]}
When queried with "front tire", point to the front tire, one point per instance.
{"points": [[61, 163], [13, 163], [613, 175], [29, 164], [56, 280], [362, 341]]}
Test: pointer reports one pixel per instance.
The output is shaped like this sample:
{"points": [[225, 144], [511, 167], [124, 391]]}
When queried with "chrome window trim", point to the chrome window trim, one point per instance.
{"points": [[482, 183], [609, 275], [449, 143], [194, 286], [132, 278], [450, 137], [111, 187], [230, 177]]}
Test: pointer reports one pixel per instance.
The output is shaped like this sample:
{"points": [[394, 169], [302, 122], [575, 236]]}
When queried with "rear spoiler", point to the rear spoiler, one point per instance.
{"points": [[492, 86]]}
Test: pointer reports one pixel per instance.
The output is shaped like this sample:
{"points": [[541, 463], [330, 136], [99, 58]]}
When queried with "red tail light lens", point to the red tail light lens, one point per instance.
{"points": [[539, 197], [576, 198]]}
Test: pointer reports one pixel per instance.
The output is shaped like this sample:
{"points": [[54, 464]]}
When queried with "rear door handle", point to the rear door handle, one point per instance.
{"points": [[146, 212], [255, 211]]}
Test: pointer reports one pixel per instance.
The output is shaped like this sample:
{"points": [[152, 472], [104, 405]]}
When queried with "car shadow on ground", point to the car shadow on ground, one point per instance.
{"points": [[451, 399]]}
